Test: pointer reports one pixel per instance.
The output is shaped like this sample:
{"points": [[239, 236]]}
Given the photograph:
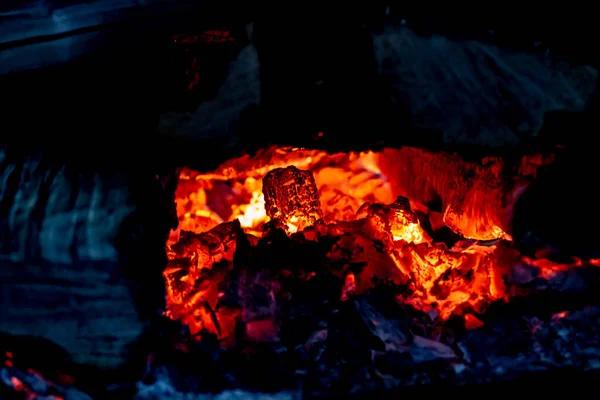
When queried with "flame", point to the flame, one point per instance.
{"points": [[363, 194], [344, 181]]}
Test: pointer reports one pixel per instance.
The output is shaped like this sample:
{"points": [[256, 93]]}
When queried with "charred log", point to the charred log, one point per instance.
{"points": [[82, 254], [476, 198]]}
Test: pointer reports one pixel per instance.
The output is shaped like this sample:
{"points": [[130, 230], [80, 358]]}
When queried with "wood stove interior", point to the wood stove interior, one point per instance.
{"points": [[355, 200]]}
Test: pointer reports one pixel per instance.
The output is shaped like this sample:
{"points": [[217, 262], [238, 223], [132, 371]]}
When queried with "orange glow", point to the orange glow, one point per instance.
{"points": [[373, 197], [17, 384], [471, 322], [27, 390]]}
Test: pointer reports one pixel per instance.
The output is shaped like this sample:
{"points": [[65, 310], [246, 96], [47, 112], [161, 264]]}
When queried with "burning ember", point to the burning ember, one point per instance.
{"points": [[375, 232]]}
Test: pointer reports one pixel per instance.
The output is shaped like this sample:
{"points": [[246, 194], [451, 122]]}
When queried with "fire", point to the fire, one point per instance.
{"points": [[234, 191], [363, 200]]}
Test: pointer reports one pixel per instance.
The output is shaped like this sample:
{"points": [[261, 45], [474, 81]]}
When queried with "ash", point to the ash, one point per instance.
{"points": [[361, 351]]}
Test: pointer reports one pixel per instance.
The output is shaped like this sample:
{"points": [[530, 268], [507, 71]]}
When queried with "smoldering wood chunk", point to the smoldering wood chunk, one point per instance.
{"points": [[426, 263], [469, 284], [222, 239], [259, 294], [477, 198], [192, 284], [393, 332], [337, 228], [382, 315], [258, 291], [349, 287], [291, 196], [209, 247], [452, 277], [533, 274], [196, 252], [180, 277], [395, 221], [367, 259], [377, 217], [251, 294]]}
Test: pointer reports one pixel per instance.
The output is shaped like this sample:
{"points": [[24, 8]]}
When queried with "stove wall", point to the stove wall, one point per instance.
{"points": [[356, 74], [81, 256], [364, 88]]}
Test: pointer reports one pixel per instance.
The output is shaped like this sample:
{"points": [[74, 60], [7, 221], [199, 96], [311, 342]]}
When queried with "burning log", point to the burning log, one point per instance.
{"points": [[477, 198], [82, 254]]}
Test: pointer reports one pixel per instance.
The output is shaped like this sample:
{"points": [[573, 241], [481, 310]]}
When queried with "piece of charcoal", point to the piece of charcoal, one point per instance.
{"points": [[191, 282], [222, 240], [393, 333], [426, 263], [262, 331], [378, 219], [545, 274], [258, 291], [451, 277], [384, 318], [367, 259], [339, 228], [291, 197], [404, 224], [176, 275], [424, 350], [349, 287], [391, 222], [190, 247]]}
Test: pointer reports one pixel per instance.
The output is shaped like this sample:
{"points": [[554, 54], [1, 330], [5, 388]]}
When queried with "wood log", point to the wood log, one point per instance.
{"points": [[81, 254], [477, 199], [538, 200]]}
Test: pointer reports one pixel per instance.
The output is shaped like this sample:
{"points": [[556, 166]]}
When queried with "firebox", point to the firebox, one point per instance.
{"points": [[375, 206]]}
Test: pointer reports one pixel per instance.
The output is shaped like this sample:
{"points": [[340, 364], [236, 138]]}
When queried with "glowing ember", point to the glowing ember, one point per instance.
{"points": [[291, 198], [347, 196]]}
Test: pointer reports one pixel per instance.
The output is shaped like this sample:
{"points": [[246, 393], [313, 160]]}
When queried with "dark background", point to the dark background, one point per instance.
{"points": [[117, 78]]}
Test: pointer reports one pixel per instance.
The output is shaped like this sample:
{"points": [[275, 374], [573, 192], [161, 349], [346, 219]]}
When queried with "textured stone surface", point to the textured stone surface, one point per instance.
{"points": [[218, 117], [477, 93], [60, 214], [85, 308], [81, 254], [472, 92]]}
